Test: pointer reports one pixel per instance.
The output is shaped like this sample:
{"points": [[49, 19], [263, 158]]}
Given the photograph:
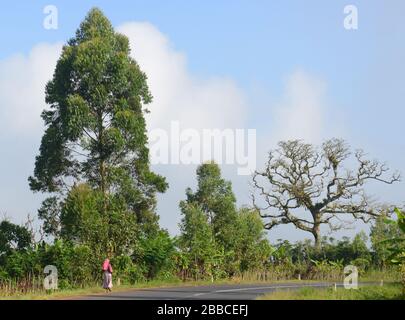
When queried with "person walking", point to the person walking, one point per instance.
{"points": [[107, 275]]}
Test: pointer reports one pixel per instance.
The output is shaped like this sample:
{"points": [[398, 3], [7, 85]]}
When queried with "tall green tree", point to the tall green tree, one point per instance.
{"points": [[216, 199], [95, 128]]}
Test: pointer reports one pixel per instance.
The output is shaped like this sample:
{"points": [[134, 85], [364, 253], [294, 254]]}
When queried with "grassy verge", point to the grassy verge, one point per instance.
{"points": [[391, 291]]}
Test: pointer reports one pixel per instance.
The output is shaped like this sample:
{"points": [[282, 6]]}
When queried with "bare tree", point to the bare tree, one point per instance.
{"points": [[300, 176]]}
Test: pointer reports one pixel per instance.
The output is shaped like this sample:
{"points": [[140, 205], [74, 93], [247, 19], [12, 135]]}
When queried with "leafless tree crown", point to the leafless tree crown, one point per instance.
{"points": [[300, 176]]}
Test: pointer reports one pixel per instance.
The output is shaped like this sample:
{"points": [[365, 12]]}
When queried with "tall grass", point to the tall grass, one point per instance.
{"points": [[34, 284], [320, 272], [386, 292], [29, 285]]}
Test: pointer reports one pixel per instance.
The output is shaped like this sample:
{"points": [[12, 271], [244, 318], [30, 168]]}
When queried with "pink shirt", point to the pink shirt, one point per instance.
{"points": [[107, 266]]}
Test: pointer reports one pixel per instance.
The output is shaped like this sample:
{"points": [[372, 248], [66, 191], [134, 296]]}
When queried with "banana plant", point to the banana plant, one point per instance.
{"points": [[397, 255]]}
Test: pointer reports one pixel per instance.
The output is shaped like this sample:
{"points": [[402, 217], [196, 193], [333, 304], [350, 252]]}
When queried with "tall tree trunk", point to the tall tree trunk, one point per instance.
{"points": [[102, 164], [103, 186], [103, 181]]}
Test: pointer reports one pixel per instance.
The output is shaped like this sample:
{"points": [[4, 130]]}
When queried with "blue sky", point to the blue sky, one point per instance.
{"points": [[259, 46], [250, 41], [220, 35]]}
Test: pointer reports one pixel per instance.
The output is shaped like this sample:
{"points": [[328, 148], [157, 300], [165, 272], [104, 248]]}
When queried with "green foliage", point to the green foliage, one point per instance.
{"points": [[156, 253], [397, 245], [49, 213], [127, 270], [19, 264], [326, 270], [215, 198], [252, 249], [218, 240], [348, 251], [75, 263], [13, 237], [381, 231], [82, 221], [196, 241]]}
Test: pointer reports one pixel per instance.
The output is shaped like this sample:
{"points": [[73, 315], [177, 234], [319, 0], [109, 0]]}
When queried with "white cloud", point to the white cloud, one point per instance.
{"points": [[178, 95], [22, 88], [302, 110], [22, 99]]}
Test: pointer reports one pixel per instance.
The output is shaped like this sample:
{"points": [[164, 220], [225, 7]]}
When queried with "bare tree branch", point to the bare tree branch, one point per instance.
{"points": [[300, 179]]}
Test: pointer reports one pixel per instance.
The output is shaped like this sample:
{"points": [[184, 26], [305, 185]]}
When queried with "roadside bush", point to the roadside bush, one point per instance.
{"points": [[127, 271], [325, 270], [156, 253]]}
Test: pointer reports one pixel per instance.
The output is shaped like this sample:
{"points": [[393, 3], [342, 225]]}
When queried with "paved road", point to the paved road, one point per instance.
{"points": [[213, 292]]}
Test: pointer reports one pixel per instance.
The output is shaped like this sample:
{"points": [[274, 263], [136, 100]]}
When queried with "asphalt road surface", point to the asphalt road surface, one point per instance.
{"points": [[212, 292]]}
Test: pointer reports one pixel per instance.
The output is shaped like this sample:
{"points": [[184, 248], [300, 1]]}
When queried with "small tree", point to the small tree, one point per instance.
{"points": [[252, 248], [380, 231], [397, 251], [299, 176], [157, 254]]}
